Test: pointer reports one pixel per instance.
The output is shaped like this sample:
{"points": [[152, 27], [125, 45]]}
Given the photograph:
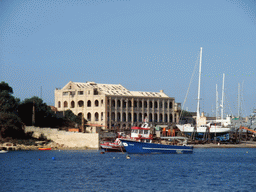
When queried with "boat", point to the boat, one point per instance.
{"points": [[3, 151], [138, 147], [115, 146], [44, 148], [201, 128], [141, 133]]}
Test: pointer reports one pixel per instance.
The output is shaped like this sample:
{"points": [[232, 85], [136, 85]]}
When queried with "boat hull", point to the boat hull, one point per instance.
{"points": [[135, 147], [108, 148], [44, 149]]}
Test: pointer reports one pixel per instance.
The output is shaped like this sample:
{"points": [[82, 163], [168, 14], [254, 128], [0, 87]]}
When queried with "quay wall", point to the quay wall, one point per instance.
{"points": [[68, 139]]}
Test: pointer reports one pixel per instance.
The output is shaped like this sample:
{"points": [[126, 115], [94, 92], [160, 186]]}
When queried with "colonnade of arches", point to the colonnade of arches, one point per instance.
{"points": [[120, 103]]}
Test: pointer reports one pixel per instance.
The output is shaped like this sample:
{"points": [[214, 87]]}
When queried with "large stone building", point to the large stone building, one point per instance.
{"points": [[114, 106]]}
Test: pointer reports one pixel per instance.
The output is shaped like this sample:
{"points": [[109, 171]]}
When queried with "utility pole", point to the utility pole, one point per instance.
{"points": [[33, 114], [82, 122]]}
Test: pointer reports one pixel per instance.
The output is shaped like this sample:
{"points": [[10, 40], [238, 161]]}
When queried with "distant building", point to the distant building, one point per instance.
{"points": [[113, 106]]}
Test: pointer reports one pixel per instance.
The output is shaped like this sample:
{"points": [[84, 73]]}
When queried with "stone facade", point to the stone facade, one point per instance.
{"points": [[113, 106]]}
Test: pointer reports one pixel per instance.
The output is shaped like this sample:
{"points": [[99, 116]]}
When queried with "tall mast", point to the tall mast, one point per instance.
{"points": [[199, 82], [217, 105], [238, 100], [222, 101]]}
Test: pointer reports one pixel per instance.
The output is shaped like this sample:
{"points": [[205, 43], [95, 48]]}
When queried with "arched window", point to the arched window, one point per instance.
{"points": [[102, 117], [161, 117], [140, 104], [118, 117], [102, 102], [113, 103], [135, 104], [96, 116], [113, 116], [155, 117], [165, 118], [80, 103], [124, 117], [118, 103], [124, 104], [150, 104], [170, 118], [155, 104], [160, 104], [165, 105], [145, 104], [96, 103], [129, 103], [59, 104], [89, 103], [72, 104], [150, 117], [89, 116], [140, 117], [135, 117], [170, 105], [129, 117], [65, 104]]}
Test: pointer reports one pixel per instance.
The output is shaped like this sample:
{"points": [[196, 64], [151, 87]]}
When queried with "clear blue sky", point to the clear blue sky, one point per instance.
{"points": [[144, 45]]}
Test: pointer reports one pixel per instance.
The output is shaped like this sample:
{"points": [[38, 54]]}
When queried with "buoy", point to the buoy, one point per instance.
{"points": [[113, 157], [128, 157], [38, 159], [101, 152]]}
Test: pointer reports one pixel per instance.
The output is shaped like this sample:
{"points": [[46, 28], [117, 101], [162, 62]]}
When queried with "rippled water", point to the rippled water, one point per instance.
{"points": [[204, 170]]}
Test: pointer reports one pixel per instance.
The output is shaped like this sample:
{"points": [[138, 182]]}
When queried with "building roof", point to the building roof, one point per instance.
{"points": [[117, 89]]}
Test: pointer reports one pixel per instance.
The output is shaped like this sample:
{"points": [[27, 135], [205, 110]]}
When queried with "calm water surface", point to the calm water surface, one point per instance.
{"points": [[204, 170]]}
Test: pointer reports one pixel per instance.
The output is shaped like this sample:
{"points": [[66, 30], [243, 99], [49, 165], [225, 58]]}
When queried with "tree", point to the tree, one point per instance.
{"points": [[34, 111], [71, 120], [10, 124]]}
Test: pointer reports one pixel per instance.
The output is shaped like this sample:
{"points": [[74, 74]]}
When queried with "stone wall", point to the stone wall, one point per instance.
{"points": [[68, 139]]}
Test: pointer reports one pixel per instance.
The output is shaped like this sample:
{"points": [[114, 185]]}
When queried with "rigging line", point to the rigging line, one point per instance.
{"points": [[189, 85]]}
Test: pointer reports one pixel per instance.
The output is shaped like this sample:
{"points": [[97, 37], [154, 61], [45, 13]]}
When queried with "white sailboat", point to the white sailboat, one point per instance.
{"points": [[199, 127]]}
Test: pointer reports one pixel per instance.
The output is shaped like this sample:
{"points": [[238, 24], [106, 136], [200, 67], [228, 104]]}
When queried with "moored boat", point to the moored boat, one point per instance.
{"points": [[137, 147], [44, 148], [3, 151], [115, 146]]}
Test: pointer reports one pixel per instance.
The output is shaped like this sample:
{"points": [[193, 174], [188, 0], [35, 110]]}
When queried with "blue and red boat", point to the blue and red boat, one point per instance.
{"points": [[137, 147], [141, 142]]}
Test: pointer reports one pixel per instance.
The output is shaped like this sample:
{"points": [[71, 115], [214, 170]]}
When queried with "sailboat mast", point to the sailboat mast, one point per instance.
{"points": [[222, 101], [199, 82], [238, 107], [217, 102]]}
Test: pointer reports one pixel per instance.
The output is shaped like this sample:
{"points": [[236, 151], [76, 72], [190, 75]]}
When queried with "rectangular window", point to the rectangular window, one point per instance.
{"points": [[80, 92], [72, 93], [65, 93]]}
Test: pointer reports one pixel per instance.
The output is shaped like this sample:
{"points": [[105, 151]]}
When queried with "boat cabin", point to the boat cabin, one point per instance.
{"points": [[141, 133]]}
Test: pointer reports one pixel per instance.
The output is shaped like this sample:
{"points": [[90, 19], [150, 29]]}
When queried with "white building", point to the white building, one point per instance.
{"points": [[114, 106]]}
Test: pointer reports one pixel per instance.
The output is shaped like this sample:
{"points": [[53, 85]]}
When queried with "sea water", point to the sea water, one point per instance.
{"points": [[229, 169]]}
